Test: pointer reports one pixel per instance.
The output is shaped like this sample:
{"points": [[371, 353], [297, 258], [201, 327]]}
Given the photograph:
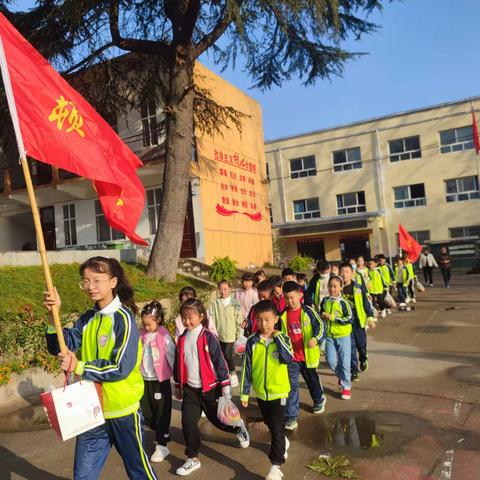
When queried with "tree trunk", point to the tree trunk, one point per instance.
{"points": [[163, 261]]}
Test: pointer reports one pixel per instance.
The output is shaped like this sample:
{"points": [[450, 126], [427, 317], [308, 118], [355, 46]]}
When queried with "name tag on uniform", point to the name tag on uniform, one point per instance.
{"points": [[157, 396], [283, 402]]}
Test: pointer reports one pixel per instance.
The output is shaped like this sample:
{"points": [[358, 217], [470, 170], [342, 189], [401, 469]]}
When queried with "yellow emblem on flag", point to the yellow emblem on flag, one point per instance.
{"points": [[119, 203], [65, 110]]}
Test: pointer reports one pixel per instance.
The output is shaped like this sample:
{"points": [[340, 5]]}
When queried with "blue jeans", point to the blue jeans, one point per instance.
{"points": [[359, 344], [313, 383], [402, 293], [126, 433], [339, 357]]}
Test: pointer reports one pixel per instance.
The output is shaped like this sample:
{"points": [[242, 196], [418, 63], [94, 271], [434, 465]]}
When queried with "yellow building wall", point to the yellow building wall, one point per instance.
{"points": [[232, 176]]}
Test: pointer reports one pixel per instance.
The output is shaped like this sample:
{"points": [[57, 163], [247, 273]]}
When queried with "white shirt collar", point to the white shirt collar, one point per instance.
{"points": [[112, 307]]}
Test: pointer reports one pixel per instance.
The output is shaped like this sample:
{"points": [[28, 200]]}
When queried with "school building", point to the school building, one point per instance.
{"points": [[343, 191], [227, 210]]}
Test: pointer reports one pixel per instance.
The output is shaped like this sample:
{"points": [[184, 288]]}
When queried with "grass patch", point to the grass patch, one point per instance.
{"points": [[337, 466], [22, 288]]}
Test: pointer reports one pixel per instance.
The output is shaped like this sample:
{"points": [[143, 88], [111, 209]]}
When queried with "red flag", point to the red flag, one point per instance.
{"points": [[61, 128], [475, 131], [408, 244]]}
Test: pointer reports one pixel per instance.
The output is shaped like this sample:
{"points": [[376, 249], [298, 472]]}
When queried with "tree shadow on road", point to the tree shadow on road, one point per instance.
{"points": [[13, 464]]}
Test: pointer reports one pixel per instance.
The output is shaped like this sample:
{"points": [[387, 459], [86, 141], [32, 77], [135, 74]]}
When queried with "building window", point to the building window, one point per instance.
{"points": [[460, 189], [456, 139], [305, 209], [270, 211], [303, 167], [267, 171], [410, 196], [347, 159], [105, 233], [351, 203], [69, 225], [459, 232], [149, 124], [405, 148], [154, 199]]}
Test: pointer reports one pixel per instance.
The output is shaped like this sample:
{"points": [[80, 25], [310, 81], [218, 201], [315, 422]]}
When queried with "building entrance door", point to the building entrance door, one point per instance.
{"points": [[47, 219], [189, 246], [311, 247], [352, 248]]}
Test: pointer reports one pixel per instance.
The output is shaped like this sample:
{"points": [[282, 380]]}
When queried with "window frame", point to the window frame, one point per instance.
{"points": [[465, 232], [457, 145], [70, 225], [306, 214], [150, 126], [408, 154], [101, 221], [153, 208], [470, 194], [351, 209], [303, 172], [417, 201], [341, 166]]}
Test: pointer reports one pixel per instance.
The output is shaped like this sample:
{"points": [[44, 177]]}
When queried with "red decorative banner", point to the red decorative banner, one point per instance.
{"points": [[256, 217]]}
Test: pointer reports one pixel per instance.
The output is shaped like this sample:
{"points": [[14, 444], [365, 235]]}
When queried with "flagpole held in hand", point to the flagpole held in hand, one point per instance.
{"points": [[31, 195]]}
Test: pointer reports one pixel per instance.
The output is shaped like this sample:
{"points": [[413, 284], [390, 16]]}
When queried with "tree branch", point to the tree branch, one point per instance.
{"points": [[210, 38], [89, 58], [132, 44]]}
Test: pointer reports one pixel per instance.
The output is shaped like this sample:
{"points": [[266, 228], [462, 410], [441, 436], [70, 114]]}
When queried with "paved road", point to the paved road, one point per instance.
{"points": [[414, 415]]}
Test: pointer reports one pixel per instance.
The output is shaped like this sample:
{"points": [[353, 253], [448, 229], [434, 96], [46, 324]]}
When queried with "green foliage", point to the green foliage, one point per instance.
{"points": [[279, 250], [334, 466], [223, 269], [301, 263]]}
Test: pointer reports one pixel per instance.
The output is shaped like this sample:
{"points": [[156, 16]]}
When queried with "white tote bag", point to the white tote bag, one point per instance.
{"points": [[74, 409]]}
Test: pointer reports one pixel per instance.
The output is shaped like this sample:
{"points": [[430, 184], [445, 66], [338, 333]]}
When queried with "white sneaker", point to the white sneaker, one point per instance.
{"points": [[287, 446], [190, 465], [275, 473], [407, 300], [384, 313], [389, 311], [233, 380], [159, 454], [243, 436], [414, 300]]}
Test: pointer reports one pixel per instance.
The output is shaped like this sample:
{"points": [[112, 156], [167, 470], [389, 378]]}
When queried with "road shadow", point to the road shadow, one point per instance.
{"points": [[13, 464]]}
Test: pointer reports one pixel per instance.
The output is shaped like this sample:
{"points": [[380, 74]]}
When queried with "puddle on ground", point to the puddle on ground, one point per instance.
{"points": [[24, 420], [469, 374]]}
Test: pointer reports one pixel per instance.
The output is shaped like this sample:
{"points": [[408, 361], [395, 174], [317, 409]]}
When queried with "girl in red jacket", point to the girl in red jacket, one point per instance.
{"points": [[200, 374]]}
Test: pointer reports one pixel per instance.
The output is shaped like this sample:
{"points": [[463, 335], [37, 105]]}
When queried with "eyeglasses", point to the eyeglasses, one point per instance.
{"points": [[86, 284]]}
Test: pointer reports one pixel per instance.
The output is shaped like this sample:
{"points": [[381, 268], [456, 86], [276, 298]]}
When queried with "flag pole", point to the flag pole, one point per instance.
{"points": [[31, 194]]}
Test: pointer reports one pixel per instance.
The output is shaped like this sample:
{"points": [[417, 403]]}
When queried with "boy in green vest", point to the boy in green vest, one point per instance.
{"points": [[317, 287], [362, 312], [377, 287], [264, 368], [402, 278], [411, 280], [387, 273], [305, 329]]}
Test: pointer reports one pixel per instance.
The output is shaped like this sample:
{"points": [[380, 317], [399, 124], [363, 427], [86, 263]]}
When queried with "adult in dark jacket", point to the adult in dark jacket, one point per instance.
{"points": [[445, 263]]}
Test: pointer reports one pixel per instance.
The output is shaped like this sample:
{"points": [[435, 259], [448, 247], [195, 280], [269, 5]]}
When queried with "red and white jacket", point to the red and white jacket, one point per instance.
{"points": [[213, 367]]}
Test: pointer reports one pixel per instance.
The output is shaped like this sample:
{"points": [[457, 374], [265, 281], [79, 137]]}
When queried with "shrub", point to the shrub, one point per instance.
{"points": [[300, 263], [223, 269]]}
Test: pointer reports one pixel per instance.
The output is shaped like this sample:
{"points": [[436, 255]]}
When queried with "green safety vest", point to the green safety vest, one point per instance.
{"points": [[332, 307]]}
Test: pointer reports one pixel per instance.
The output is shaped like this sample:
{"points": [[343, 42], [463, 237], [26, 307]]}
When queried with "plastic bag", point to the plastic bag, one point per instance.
{"points": [[419, 286], [227, 412], [390, 301], [239, 345]]}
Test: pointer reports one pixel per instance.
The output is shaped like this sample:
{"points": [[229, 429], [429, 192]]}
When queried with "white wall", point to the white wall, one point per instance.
{"points": [[12, 236]]}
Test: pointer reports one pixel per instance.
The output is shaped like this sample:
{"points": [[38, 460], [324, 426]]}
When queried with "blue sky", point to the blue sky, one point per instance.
{"points": [[425, 53]]}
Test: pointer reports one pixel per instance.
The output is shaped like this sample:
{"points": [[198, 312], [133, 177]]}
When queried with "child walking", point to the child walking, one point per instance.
{"points": [[265, 292], [109, 340], [412, 277], [247, 296], [402, 278], [227, 315], [201, 376], [186, 293], [278, 298], [362, 315], [318, 285], [336, 311], [305, 329], [377, 287], [267, 354], [157, 367]]}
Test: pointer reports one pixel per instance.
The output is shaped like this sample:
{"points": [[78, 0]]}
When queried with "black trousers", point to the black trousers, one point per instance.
{"points": [[411, 288], [227, 350], [379, 301], [194, 402], [446, 274], [156, 406], [359, 344], [273, 413], [427, 274]]}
